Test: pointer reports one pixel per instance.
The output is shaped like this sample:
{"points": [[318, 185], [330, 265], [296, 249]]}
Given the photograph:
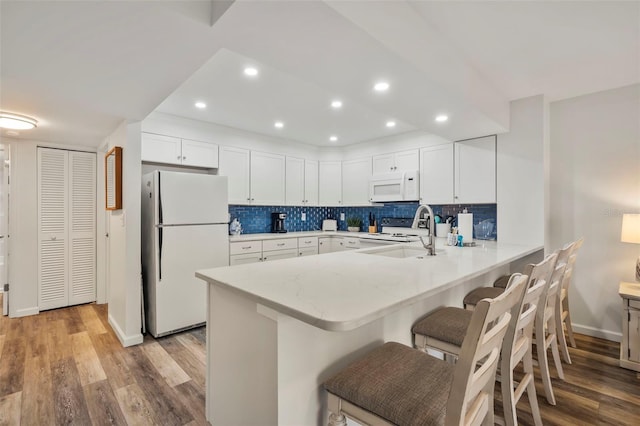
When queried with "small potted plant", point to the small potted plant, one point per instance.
{"points": [[354, 224]]}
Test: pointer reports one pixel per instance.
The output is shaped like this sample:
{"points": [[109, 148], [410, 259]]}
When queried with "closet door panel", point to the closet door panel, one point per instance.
{"points": [[82, 212], [53, 221]]}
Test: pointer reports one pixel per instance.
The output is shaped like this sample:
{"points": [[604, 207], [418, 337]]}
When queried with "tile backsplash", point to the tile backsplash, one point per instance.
{"points": [[257, 219]]}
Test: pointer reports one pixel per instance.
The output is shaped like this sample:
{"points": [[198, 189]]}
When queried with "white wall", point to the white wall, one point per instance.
{"points": [[124, 241], [594, 179], [520, 174]]}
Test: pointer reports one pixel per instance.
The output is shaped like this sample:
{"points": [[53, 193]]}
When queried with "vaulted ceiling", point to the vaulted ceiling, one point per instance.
{"points": [[80, 68]]}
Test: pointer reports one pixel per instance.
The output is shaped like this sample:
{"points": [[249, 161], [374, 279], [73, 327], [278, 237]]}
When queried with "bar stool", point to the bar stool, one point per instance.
{"points": [[562, 306], [396, 384], [516, 347]]}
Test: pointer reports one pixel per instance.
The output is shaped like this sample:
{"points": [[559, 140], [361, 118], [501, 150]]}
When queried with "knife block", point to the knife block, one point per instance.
{"points": [[373, 229]]}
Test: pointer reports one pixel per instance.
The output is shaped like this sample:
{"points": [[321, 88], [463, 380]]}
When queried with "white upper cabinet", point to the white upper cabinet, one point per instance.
{"points": [[173, 150], [475, 171], [436, 174], [396, 161], [267, 178], [234, 163], [355, 182], [294, 184], [330, 183], [301, 187], [310, 183]]}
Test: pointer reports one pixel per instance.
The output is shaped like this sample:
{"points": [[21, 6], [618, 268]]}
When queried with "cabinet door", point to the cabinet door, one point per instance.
{"points": [[436, 174], [199, 154], [307, 251], [295, 182], [475, 170], [330, 183], [311, 183], [243, 259], [234, 163], [337, 244], [634, 335], [161, 149], [355, 182], [407, 160], [383, 163], [279, 254], [324, 245], [267, 178]]}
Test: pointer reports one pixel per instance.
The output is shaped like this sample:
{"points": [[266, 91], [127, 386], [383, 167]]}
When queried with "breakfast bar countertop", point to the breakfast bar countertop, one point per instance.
{"points": [[344, 290]]}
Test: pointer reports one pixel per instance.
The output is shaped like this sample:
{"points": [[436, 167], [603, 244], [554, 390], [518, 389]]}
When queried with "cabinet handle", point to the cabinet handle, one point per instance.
{"points": [[264, 258], [246, 248], [54, 238], [184, 158], [280, 244], [307, 242], [179, 157]]}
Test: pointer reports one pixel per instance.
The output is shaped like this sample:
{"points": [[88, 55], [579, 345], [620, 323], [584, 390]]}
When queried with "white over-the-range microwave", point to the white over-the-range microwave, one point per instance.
{"points": [[395, 186]]}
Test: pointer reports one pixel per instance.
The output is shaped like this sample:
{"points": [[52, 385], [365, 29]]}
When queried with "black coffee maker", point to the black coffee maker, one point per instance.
{"points": [[277, 222]]}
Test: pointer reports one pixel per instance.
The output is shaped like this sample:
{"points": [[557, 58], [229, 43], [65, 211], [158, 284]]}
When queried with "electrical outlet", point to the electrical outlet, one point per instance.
{"points": [[303, 216], [341, 216]]}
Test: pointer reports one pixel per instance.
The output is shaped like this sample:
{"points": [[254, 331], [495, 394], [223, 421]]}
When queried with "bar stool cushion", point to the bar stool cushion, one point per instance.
{"points": [[448, 324], [413, 388], [502, 281], [476, 295]]}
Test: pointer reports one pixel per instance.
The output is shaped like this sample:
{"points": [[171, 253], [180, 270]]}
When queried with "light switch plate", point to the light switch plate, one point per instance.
{"points": [[341, 216], [303, 216]]}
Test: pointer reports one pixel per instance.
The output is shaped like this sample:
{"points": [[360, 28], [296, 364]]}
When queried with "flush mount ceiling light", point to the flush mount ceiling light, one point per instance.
{"points": [[391, 124], [381, 86], [250, 71], [201, 105], [442, 118], [333, 138], [336, 104], [10, 120], [278, 124]]}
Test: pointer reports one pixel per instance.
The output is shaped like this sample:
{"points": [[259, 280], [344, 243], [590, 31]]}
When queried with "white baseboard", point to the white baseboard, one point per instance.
{"points": [[24, 312], [125, 340], [614, 336]]}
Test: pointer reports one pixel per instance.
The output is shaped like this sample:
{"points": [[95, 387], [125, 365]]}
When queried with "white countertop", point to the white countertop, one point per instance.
{"points": [[344, 290], [272, 236]]}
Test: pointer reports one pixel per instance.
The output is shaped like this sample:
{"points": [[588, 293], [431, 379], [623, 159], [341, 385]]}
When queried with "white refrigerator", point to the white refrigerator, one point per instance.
{"points": [[185, 220]]}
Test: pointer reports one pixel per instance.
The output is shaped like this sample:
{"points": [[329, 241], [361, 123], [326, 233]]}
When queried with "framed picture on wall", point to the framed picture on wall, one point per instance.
{"points": [[113, 178]]}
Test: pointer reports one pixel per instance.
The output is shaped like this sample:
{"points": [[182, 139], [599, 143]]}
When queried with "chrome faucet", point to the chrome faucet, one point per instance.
{"points": [[431, 246]]}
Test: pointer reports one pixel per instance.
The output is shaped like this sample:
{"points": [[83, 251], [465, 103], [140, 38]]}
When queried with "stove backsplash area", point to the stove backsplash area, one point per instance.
{"points": [[257, 219]]}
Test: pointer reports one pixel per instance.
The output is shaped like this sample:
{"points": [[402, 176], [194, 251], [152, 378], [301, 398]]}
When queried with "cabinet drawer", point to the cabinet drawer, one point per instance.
{"points": [[634, 304], [308, 242], [243, 259], [241, 247], [280, 244], [279, 254], [351, 243], [307, 251]]}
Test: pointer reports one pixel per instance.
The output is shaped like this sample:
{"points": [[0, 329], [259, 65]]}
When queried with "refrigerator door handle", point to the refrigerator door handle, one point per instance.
{"points": [[160, 254]]}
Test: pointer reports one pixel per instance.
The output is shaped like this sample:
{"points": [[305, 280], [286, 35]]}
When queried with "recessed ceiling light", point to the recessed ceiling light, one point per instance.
{"points": [[278, 124], [336, 104], [9, 120], [381, 86], [333, 138], [201, 105], [442, 118], [391, 124], [250, 71]]}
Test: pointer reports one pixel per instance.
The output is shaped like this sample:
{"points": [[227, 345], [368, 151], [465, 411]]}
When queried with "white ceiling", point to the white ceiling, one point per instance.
{"points": [[81, 68]]}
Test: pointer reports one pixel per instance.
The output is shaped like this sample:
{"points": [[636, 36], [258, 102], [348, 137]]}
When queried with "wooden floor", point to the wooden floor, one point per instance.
{"points": [[67, 367]]}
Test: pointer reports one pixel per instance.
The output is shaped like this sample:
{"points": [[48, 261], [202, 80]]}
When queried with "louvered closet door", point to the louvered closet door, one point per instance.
{"points": [[66, 227], [53, 195], [82, 227]]}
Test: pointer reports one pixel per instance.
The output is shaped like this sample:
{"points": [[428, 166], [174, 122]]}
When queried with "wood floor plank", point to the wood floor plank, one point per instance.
{"points": [[36, 337], [193, 397], [68, 398], [58, 341], [135, 407], [86, 359], [112, 358], [104, 408], [162, 397], [193, 344], [37, 401], [12, 365], [2, 337], [191, 365], [90, 319], [166, 366], [10, 409], [73, 320]]}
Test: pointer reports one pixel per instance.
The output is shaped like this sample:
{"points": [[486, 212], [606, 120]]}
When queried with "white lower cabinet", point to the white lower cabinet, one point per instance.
{"points": [[242, 259], [324, 245], [350, 243], [282, 248], [242, 252], [307, 246]]}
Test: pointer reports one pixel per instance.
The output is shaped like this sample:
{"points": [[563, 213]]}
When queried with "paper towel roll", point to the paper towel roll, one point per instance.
{"points": [[465, 226]]}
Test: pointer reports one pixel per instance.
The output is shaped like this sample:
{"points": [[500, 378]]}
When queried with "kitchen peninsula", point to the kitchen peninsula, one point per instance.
{"points": [[277, 330]]}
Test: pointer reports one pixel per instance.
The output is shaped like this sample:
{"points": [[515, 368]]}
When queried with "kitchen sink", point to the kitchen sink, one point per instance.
{"points": [[400, 252]]}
